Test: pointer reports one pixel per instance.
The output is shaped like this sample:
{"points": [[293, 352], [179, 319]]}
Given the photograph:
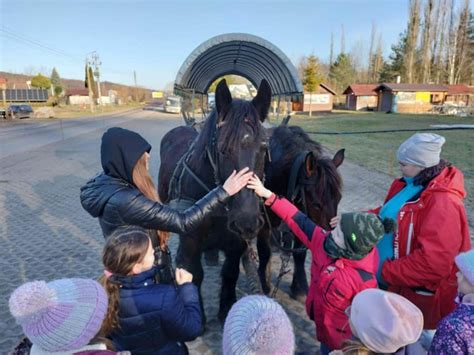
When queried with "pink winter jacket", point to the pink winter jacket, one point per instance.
{"points": [[334, 282]]}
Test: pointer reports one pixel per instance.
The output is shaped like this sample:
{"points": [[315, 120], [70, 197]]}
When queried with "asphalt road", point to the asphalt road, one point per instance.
{"points": [[29, 134]]}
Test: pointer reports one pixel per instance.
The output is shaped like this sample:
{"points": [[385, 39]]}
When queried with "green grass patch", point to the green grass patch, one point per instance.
{"points": [[377, 151]]}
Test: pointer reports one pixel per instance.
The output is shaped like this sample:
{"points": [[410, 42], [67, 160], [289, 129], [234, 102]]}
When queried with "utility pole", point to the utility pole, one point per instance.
{"points": [[95, 61], [89, 86], [136, 87]]}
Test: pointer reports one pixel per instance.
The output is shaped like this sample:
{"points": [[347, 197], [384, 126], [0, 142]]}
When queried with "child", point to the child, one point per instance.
{"points": [[146, 317], [61, 316], [383, 323], [344, 263], [455, 333], [257, 325]]}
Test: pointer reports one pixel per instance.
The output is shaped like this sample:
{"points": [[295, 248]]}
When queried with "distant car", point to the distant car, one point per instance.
{"points": [[3, 113], [19, 111], [172, 104]]}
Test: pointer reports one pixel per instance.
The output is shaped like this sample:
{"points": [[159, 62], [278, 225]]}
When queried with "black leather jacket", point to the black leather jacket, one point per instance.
{"points": [[117, 203]]}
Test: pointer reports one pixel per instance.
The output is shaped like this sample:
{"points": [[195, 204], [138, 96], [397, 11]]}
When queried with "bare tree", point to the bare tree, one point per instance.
{"points": [[425, 49], [463, 63], [331, 51], [343, 40], [371, 51], [378, 60], [412, 37], [451, 47], [441, 28]]}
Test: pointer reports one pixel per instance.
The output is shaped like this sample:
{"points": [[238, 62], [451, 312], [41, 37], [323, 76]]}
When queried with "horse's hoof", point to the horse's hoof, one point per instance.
{"points": [[266, 289]]}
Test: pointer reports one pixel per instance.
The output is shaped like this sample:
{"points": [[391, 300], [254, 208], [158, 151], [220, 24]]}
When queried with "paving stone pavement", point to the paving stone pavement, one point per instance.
{"points": [[45, 233]]}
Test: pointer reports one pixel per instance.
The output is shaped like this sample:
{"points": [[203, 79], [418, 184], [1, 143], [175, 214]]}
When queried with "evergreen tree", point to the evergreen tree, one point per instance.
{"points": [[342, 72], [56, 82], [40, 81], [394, 66], [312, 77]]}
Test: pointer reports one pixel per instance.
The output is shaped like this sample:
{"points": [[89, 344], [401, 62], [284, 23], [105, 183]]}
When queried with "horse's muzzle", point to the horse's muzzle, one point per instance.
{"points": [[247, 228]]}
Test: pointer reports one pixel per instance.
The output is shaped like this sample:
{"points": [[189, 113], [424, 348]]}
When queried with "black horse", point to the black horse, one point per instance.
{"points": [[192, 163], [299, 171]]}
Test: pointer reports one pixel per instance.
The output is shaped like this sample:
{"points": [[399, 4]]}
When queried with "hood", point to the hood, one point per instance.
{"points": [[96, 193], [449, 180], [120, 150]]}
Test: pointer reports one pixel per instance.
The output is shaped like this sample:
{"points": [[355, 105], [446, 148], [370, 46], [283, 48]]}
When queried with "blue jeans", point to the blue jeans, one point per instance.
{"points": [[324, 349]]}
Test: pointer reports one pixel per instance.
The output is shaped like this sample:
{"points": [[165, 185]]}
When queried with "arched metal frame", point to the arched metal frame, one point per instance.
{"points": [[246, 55]]}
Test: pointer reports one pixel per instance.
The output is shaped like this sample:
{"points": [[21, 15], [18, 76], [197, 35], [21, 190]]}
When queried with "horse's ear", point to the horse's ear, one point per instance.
{"points": [[310, 164], [338, 158], [223, 97], [263, 99]]}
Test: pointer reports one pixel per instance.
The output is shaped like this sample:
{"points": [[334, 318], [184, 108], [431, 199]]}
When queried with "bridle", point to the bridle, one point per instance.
{"points": [[212, 153]]}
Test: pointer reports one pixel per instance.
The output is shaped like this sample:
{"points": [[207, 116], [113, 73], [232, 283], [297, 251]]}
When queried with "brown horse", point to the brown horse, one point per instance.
{"points": [[193, 163], [299, 171]]}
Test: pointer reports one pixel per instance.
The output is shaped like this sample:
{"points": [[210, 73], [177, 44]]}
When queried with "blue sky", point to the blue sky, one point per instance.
{"points": [[155, 37]]}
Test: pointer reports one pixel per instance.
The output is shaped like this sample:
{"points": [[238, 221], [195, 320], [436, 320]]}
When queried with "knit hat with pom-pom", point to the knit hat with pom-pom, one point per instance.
{"points": [[257, 325], [61, 315]]}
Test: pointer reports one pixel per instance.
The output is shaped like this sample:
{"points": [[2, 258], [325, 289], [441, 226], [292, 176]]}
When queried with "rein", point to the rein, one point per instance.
{"points": [[295, 189]]}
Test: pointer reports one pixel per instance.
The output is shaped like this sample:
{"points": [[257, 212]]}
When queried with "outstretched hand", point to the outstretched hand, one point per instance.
{"points": [[237, 180], [334, 221], [256, 185], [183, 276]]}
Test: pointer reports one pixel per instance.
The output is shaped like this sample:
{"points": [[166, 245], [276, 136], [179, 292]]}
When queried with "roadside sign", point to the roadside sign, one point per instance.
{"points": [[157, 94]]}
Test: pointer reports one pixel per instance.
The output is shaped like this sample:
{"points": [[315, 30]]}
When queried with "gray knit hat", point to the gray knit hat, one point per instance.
{"points": [[62, 315], [421, 149], [257, 325]]}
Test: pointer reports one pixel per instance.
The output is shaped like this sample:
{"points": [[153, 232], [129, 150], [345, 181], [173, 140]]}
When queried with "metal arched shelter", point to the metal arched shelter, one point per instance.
{"points": [[246, 55]]}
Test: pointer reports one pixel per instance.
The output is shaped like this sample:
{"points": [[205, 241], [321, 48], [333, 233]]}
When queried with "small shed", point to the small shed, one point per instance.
{"points": [[77, 96], [361, 97], [320, 100], [458, 95], [410, 98]]}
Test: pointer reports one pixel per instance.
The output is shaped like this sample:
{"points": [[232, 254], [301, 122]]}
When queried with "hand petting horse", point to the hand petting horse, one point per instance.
{"points": [[193, 163]]}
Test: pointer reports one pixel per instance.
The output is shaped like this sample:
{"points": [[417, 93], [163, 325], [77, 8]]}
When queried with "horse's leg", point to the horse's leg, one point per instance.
{"points": [[264, 255], [299, 286], [230, 273], [211, 256], [189, 258]]}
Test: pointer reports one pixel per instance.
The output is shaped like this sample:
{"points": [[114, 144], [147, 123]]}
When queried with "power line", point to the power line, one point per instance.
{"points": [[9, 33]]}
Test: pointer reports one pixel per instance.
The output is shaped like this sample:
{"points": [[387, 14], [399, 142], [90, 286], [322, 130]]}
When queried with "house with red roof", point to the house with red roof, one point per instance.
{"points": [[458, 95], [361, 97]]}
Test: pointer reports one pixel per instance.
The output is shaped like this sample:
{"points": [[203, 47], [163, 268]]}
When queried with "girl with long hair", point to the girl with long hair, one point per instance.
{"points": [[146, 317]]}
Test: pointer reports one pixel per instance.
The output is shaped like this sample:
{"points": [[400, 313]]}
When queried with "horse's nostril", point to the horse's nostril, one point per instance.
{"points": [[232, 226]]}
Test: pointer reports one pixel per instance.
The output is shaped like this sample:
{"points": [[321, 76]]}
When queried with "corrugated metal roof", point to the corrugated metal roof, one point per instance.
{"points": [[412, 87], [361, 89], [241, 54], [458, 89]]}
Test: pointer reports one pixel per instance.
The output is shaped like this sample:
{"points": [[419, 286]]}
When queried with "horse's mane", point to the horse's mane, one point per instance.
{"points": [[294, 140], [241, 114], [328, 176]]}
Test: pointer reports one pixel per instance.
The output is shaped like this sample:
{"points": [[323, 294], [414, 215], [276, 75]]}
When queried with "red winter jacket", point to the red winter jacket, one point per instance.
{"points": [[334, 282], [431, 231]]}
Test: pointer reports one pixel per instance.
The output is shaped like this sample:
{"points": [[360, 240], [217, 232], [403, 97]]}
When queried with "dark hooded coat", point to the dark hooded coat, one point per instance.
{"points": [[115, 200]]}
